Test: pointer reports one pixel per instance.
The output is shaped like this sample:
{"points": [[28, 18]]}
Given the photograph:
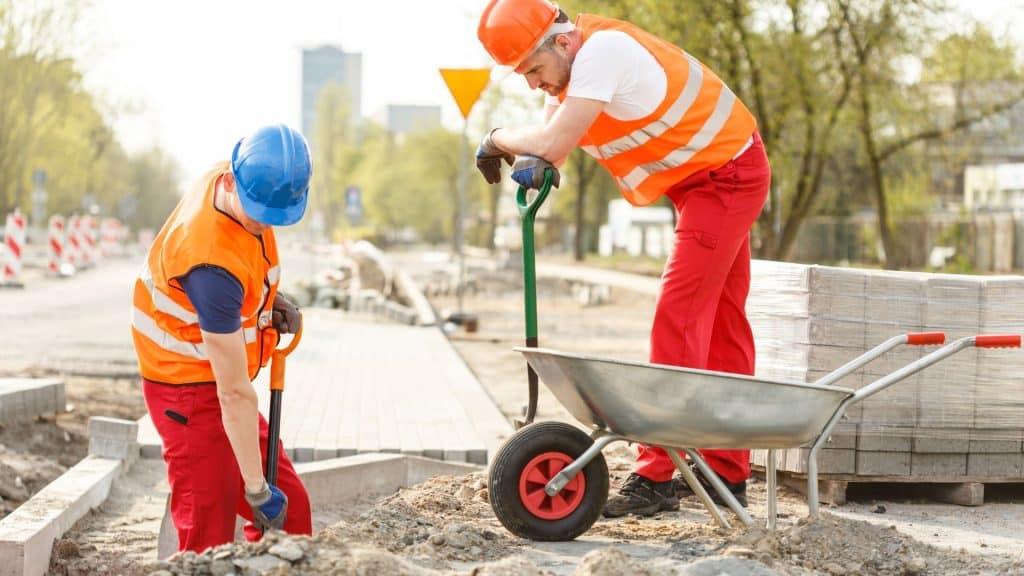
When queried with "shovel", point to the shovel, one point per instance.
{"points": [[527, 214], [276, 389]]}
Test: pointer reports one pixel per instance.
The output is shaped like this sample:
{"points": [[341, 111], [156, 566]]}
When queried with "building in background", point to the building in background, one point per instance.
{"points": [[404, 119], [325, 65], [994, 187], [996, 140], [647, 231]]}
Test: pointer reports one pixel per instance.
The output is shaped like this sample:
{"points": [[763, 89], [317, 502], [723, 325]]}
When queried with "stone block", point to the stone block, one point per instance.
{"points": [[113, 438], [941, 440], [938, 465], [883, 463], [995, 441], [996, 465], [830, 461], [872, 438]]}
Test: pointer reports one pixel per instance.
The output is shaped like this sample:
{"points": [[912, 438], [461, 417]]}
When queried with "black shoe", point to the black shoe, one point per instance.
{"points": [[641, 496], [683, 490]]}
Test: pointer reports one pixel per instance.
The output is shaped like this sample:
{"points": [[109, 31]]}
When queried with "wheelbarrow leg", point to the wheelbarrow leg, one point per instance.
{"points": [[712, 477], [812, 457], [769, 476], [697, 488], [555, 485]]}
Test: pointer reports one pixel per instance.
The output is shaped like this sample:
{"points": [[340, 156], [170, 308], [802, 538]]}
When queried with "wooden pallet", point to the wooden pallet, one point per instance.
{"points": [[960, 490]]}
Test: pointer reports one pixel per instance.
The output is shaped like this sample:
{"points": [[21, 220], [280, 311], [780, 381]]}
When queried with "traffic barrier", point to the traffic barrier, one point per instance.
{"points": [[87, 240], [73, 247], [56, 242], [112, 234], [14, 242]]}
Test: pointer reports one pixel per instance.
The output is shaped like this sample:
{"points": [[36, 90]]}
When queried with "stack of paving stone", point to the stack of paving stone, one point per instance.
{"points": [[961, 417]]}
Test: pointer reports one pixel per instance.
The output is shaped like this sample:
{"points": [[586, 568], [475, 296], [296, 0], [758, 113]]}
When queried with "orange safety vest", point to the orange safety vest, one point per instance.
{"points": [[165, 326], [699, 125]]}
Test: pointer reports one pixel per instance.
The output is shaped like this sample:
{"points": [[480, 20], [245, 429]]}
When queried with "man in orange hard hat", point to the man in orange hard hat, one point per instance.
{"points": [[662, 124], [206, 317]]}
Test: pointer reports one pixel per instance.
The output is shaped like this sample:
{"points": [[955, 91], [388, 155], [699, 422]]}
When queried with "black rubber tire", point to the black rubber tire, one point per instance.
{"points": [[513, 457]]}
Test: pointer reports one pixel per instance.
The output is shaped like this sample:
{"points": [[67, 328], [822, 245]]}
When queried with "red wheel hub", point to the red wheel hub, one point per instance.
{"points": [[536, 475]]}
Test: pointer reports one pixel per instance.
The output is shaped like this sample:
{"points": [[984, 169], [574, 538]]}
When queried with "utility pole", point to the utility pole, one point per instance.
{"points": [[466, 85]]}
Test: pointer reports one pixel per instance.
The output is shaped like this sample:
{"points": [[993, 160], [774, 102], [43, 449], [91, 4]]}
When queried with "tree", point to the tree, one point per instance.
{"points": [[892, 116]]}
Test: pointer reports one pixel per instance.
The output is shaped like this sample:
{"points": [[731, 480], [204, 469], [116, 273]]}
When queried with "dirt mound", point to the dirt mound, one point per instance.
{"points": [[832, 545], [446, 518]]}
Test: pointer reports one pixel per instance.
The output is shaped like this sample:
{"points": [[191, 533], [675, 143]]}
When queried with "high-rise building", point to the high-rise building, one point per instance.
{"points": [[325, 65], [402, 119]]}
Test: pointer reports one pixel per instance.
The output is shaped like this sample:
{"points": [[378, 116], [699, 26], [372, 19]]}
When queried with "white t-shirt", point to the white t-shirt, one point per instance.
{"points": [[613, 67]]}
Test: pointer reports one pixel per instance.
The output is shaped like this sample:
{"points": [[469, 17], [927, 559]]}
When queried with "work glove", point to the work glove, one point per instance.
{"points": [[269, 507], [489, 157], [285, 316], [528, 172]]}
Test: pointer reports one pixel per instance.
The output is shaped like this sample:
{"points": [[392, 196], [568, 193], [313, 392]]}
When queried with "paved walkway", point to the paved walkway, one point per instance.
{"points": [[355, 385]]}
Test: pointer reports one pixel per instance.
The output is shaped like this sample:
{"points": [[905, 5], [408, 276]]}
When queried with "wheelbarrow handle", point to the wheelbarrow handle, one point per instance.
{"points": [[926, 339], [998, 341]]}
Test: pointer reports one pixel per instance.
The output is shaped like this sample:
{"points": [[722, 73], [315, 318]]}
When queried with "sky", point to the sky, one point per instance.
{"points": [[194, 76]]}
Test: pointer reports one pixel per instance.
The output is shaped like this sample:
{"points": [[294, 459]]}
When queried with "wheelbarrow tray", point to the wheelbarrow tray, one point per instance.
{"points": [[683, 407]]}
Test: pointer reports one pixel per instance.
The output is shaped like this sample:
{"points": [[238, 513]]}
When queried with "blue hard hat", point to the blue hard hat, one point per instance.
{"points": [[272, 169]]}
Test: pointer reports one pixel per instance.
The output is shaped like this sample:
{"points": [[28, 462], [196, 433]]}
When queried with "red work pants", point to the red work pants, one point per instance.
{"points": [[207, 490], [700, 320]]}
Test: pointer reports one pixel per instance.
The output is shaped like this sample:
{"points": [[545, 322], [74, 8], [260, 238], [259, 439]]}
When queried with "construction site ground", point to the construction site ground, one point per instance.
{"points": [[446, 525]]}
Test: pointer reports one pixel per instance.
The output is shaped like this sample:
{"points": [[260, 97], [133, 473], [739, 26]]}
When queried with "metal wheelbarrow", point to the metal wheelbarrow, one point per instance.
{"points": [[549, 481]]}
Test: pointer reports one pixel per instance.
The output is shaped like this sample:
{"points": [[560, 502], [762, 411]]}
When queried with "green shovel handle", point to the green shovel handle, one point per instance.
{"points": [[527, 213]]}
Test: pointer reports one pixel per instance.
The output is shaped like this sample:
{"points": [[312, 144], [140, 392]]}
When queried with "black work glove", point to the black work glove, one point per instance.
{"points": [[489, 157], [269, 507], [285, 316], [528, 172]]}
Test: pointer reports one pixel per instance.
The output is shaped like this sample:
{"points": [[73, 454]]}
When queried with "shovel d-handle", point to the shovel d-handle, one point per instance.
{"points": [[527, 214], [277, 365]]}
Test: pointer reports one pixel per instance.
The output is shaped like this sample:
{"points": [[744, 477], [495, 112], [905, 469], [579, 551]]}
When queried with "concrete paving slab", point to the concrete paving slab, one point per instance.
{"points": [[22, 399], [357, 387]]}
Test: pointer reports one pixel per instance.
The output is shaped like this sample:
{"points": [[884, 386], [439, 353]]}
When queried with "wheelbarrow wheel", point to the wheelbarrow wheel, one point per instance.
{"points": [[523, 466]]}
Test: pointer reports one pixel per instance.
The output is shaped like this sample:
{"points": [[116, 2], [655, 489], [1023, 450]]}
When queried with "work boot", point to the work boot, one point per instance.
{"points": [[641, 496], [683, 490]]}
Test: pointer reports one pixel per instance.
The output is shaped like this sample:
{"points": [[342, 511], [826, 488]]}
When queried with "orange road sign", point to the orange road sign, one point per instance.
{"points": [[466, 85]]}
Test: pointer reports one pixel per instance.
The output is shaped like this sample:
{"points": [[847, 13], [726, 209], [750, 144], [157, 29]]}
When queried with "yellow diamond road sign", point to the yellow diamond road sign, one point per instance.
{"points": [[466, 85]]}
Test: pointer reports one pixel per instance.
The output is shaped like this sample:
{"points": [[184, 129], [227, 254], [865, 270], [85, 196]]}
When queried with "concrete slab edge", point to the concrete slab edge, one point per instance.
{"points": [[424, 311], [27, 534]]}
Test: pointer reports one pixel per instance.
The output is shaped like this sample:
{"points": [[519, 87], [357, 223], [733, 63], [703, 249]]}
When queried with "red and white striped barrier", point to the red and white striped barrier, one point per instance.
{"points": [[73, 247], [87, 229], [111, 237], [14, 243], [57, 243]]}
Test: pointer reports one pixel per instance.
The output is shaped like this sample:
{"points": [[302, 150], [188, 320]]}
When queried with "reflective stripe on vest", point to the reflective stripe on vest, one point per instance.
{"points": [[700, 140], [149, 328], [670, 118], [163, 302]]}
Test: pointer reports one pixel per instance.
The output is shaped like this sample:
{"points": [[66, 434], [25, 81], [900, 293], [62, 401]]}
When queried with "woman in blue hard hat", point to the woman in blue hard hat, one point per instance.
{"points": [[206, 318]]}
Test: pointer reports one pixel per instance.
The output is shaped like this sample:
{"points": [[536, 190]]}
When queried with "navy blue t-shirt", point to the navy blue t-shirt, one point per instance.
{"points": [[217, 297]]}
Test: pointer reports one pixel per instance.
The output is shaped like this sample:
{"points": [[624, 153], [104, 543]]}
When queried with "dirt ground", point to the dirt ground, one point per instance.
{"points": [[446, 526], [33, 454]]}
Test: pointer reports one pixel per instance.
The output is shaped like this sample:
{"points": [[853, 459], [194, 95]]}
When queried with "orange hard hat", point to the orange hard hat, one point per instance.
{"points": [[511, 29]]}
